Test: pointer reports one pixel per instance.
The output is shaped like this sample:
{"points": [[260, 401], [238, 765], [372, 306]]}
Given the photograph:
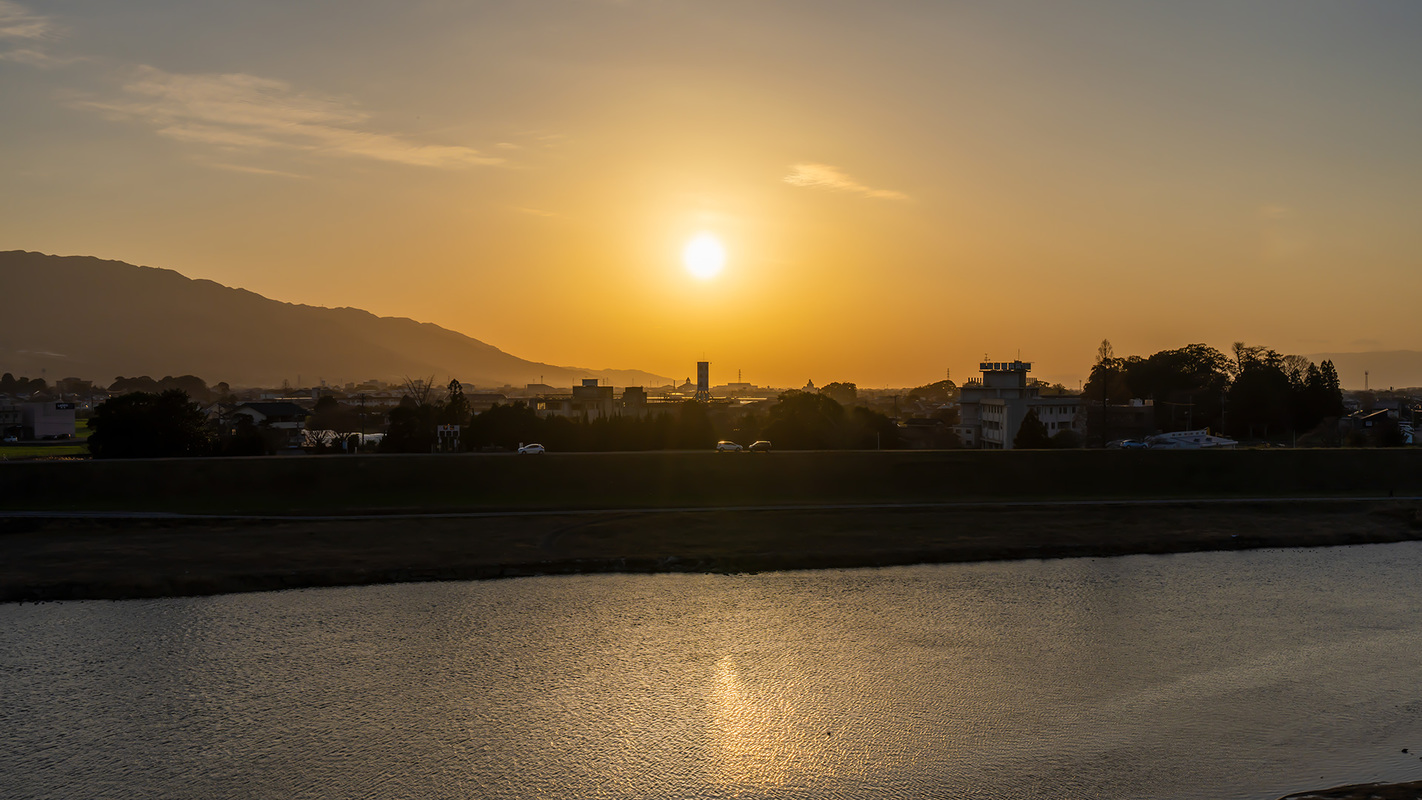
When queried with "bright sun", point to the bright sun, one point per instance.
{"points": [[704, 256]]}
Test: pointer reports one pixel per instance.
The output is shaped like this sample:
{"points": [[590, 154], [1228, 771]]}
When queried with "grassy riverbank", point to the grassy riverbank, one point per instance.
{"points": [[67, 558], [349, 484], [257, 524]]}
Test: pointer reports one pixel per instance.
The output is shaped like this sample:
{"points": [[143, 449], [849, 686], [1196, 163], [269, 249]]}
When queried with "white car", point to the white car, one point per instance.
{"points": [[724, 446], [530, 449]]}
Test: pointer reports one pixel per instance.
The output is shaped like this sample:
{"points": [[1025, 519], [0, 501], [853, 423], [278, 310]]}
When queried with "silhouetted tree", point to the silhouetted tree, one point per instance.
{"points": [[1188, 385], [1259, 399], [411, 428], [11, 385], [692, 429], [843, 393], [504, 426], [195, 387], [329, 414], [145, 425], [456, 410], [871, 430], [1108, 377], [805, 421], [142, 383], [943, 391], [1032, 435], [245, 438]]}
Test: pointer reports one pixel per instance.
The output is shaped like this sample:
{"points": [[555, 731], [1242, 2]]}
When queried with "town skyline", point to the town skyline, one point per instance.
{"points": [[889, 191]]}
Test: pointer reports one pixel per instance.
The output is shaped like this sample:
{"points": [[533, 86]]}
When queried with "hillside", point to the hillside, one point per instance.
{"points": [[90, 318]]}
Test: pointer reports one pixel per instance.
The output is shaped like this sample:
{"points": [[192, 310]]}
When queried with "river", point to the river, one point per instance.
{"points": [[1207, 675]]}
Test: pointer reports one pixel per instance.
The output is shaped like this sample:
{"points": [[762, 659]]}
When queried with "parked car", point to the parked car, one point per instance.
{"points": [[1126, 444], [760, 446], [530, 449], [11, 439], [724, 446]]}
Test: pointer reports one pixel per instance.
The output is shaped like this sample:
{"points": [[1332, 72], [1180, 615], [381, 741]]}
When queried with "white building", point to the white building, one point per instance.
{"points": [[991, 411]]}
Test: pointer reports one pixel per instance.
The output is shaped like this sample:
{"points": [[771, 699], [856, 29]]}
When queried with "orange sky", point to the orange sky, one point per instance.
{"points": [[900, 188]]}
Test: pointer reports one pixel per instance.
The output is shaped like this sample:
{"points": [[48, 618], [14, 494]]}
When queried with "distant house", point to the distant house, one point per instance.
{"points": [[275, 414], [479, 402], [286, 417]]}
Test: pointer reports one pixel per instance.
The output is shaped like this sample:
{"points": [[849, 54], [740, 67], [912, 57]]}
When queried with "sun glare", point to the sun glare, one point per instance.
{"points": [[704, 256]]}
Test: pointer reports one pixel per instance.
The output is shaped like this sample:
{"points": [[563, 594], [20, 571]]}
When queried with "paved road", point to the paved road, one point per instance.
{"points": [[164, 515]]}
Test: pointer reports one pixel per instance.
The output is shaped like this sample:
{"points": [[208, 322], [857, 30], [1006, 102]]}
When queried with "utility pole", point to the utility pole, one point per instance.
{"points": [[1105, 407]]}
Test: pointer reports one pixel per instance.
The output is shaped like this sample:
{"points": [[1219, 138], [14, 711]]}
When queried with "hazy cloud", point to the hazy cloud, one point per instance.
{"points": [[246, 112], [1282, 236], [823, 176]]}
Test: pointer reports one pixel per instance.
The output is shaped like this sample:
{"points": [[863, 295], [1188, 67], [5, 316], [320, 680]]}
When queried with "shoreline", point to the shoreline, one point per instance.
{"points": [[90, 556]]}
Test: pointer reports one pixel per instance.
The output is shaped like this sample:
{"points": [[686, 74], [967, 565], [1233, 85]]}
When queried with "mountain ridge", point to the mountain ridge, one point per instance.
{"points": [[62, 319]]}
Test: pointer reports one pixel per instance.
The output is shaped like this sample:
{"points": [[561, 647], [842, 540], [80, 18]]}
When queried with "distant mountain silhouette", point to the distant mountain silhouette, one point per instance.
{"points": [[1386, 368], [94, 319]]}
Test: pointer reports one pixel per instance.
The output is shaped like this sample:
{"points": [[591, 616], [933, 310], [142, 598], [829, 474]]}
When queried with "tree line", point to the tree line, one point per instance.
{"points": [[1252, 393], [169, 424], [798, 420]]}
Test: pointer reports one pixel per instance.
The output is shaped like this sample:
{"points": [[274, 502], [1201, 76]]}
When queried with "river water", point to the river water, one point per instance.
{"points": [[1215, 675]]}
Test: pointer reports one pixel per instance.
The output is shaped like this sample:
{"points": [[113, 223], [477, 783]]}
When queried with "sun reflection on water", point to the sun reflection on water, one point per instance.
{"points": [[760, 735]]}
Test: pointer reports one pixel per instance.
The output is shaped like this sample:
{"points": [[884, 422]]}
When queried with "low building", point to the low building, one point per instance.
{"points": [[479, 402], [588, 401], [47, 420], [633, 402], [12, 420]]}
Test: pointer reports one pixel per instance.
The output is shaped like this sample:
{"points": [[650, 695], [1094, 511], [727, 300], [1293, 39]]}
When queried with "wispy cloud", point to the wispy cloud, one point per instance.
{"points": [[18, 22], [38, 57], [25, 37], [238, 112], [824, 176], [252, 170]]}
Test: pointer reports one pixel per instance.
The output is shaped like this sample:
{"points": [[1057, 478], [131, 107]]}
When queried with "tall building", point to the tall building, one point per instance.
{"points": [[992, 409]]}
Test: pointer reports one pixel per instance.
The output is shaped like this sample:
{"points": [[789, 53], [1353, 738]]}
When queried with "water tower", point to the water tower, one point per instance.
{"points": [[703, 381]]}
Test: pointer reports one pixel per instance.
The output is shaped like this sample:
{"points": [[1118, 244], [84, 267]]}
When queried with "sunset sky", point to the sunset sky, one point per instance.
{"points": [[898, 187]]}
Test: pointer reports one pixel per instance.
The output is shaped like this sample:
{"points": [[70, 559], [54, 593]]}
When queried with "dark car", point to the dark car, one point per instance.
{"points": [[761, 446]]}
